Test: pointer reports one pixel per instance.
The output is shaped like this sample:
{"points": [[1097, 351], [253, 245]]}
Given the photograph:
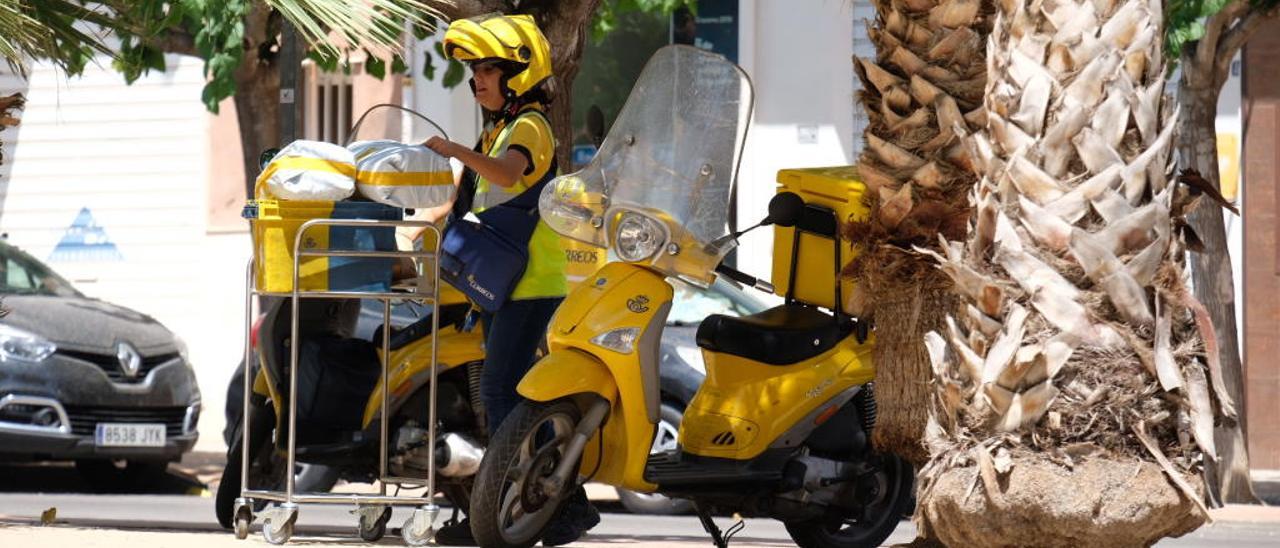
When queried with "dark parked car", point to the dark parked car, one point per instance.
{"points": [[86, 380]]}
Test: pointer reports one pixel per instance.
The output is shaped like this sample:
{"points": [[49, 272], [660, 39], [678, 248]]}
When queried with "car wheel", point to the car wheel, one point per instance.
{"points": [[665, 440], [235, 403], [119, 475]]}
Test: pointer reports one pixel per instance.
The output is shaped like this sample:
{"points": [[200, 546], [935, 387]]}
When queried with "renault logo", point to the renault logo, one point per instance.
{"points": [[130, 360]]}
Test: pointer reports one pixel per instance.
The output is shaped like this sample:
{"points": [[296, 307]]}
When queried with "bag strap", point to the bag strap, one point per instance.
{"points": [[466, 190]]}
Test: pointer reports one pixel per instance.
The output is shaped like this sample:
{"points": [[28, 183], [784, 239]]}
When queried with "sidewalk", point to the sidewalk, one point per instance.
{"points": [[206, 467], [59, 536]]}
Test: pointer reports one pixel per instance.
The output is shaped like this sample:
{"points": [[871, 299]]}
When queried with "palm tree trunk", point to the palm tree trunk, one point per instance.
{"points": [[1075, 393], [922, 95]]}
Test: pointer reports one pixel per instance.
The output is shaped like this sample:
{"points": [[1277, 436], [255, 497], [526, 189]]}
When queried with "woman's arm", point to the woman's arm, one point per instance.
{"points": [[504, 171]]}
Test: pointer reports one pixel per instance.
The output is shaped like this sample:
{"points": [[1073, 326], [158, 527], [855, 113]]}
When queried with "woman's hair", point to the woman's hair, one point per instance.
{"points": [[542, 93]]}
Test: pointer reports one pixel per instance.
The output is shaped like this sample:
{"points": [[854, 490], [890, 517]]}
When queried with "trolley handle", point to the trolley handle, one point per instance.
{"points": [[356, 127]]}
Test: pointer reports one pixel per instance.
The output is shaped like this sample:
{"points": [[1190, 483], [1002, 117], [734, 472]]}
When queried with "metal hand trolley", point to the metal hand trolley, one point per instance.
{"points": [[373, 510]]}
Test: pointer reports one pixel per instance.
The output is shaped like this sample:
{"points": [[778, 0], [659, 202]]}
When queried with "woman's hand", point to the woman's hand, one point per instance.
{"points": [[443, 147]]}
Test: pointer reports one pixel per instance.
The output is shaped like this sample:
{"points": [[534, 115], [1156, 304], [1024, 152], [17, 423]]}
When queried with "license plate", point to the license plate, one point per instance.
{"points": [[129, 435]]}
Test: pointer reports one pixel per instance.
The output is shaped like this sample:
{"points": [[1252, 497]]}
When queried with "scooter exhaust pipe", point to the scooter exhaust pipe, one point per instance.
{"points": [[458, 456]]}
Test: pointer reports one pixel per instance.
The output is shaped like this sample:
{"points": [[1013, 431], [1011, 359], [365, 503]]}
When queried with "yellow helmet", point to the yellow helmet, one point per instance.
{"points": [[514, 39]]}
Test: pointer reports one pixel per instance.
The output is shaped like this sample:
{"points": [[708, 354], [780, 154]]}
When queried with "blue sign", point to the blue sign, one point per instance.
{"points": [[85, 241], [714, 28], [582, 154]]}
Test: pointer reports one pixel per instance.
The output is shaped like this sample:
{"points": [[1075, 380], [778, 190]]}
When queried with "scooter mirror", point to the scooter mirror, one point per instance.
{"points": [[784, 209], [266, 156], [595, 125]]}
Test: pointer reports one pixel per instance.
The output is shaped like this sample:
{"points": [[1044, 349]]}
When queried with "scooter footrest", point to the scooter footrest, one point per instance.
{"points": [[676, 468]]}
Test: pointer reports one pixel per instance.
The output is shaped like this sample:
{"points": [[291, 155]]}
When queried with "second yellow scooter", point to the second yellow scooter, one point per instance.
{"points": [[781, 426]]}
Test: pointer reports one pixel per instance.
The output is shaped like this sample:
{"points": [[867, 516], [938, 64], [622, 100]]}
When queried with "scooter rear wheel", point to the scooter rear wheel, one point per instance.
{"points": [[509, 508], [893, 488]]}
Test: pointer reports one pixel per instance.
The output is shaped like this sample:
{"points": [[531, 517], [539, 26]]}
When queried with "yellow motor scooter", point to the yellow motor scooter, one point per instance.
{"points": [[780, 427]]}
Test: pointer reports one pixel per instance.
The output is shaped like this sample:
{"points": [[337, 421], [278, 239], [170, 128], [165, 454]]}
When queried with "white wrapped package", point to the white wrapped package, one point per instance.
{"points": [[402, 175], [309, 170]]}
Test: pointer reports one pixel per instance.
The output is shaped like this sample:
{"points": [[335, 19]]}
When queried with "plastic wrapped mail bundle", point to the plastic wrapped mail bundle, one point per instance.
{"points": [[402, 175], [308, 170]]}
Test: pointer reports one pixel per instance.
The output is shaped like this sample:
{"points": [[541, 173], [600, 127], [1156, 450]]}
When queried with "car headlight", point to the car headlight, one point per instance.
{"points": [[622, 340], [20, 346], [637, 237]]}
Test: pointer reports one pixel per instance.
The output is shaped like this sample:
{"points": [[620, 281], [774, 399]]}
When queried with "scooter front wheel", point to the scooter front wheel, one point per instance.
{"points": [[509, 506]]}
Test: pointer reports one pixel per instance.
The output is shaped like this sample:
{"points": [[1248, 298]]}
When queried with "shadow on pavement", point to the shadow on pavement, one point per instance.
{"points": [[66, 478]]}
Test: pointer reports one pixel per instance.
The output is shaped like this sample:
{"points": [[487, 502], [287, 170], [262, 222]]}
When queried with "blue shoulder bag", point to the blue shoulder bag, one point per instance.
{"points": [[486, 260]]}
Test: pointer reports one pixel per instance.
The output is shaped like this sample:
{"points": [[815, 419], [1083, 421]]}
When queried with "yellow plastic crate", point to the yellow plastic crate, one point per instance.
{"points": [[275, 228], [838, 189]]}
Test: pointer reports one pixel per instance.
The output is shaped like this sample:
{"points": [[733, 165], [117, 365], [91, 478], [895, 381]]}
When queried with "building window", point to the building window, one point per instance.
{"points": [[329, 102]]}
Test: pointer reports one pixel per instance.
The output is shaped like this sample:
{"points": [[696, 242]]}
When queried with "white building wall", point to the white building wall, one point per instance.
{"points": [[453, 109], [798, 56], [138, 158]]}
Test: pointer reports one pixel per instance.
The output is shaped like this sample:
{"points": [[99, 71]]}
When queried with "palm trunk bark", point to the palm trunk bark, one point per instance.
{"points": [[1211, 275], [923, 95], [1075, 395]]}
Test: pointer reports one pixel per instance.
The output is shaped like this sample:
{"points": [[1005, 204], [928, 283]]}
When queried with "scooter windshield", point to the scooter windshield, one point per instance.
{"points": [[658, 191]]}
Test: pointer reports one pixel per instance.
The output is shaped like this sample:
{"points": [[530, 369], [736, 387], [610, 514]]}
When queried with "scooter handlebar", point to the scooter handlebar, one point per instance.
{"points": [[744, 278]]}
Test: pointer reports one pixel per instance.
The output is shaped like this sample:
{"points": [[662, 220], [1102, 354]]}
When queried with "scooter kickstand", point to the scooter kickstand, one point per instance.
{"points": [[710, 526]]}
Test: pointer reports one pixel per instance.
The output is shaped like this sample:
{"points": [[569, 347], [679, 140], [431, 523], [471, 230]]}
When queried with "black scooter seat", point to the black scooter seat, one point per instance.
{"points": [[783, 335]]}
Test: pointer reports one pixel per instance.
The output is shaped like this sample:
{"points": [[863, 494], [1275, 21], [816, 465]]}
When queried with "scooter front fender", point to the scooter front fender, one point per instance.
{"points": [[565, 373]]}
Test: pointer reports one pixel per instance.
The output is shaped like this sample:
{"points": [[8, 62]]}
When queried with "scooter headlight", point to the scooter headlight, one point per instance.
{"points": [[638, 237], [622, 340], [20, 346]]}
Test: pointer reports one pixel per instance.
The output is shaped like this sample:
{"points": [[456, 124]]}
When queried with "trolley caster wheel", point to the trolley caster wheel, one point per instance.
{"points": [[420, 527], [373, 522], [277, 536], [244, 517], [277, 523]]}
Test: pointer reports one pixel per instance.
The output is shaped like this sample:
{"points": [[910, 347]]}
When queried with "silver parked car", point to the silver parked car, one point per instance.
{"points": [[86, 380]]}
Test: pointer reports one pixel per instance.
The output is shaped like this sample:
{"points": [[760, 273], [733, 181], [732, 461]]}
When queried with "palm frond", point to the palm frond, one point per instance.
{"points": [[57, 30], [19, 33], [375, 25]]}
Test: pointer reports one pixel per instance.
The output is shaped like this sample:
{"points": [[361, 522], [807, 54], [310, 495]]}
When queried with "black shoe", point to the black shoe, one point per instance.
{"points": [[577, 517], [456, 533]]}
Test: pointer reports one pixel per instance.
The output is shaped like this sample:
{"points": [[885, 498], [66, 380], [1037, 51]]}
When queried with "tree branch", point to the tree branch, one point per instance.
{"points": [[175, 41], [1235, 38], [1207, 48]]}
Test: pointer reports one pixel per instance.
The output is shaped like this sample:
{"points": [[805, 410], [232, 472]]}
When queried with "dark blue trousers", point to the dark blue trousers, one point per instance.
{"points": [[511, 338]]}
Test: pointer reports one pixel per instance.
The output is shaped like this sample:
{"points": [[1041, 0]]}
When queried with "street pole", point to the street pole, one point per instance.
{"points": [[289, 64]]}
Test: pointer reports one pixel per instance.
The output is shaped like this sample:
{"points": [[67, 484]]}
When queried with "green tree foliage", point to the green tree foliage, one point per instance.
{"points": [[71, 32], [606, 19], [1185, 21]]}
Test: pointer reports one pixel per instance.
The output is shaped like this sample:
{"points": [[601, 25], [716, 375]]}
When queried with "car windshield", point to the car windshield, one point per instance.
{"points": [[692, 304], [20, 274]]}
